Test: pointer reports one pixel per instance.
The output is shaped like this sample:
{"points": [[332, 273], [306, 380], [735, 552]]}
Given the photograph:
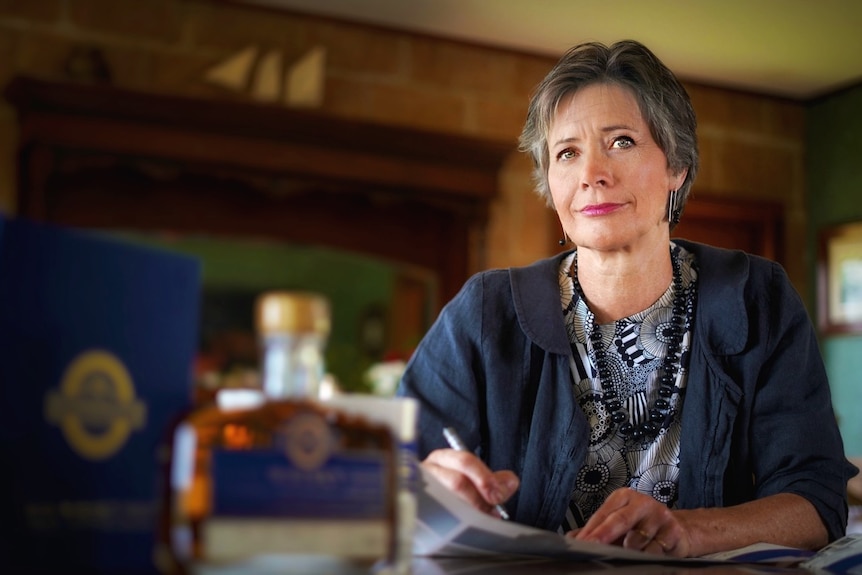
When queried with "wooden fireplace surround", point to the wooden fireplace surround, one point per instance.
{"points": [[101, 157]]}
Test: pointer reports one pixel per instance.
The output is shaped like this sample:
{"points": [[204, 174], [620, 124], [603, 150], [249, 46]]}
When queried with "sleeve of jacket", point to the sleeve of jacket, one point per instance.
{"points": [[797, 445], [443, 373]]}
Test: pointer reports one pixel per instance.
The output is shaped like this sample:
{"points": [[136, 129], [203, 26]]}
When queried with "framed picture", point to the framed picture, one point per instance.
{"points": [[839, 279]]}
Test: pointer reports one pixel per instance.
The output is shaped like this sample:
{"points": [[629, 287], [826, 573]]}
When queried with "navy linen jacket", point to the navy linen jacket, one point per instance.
{"points": [[757, 417]]}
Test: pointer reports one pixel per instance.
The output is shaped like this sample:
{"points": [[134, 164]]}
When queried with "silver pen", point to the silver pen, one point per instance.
{"points": [[455, 443]]}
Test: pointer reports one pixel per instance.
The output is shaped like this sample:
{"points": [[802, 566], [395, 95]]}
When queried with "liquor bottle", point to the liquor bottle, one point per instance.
{"points": [[280, 474]]}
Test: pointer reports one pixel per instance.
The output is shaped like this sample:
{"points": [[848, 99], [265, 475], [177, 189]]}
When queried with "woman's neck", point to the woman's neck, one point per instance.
{"points": [[620, 284]]}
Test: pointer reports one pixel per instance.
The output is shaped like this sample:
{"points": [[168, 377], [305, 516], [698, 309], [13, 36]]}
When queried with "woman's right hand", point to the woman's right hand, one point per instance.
{"points": [[470, 478]]}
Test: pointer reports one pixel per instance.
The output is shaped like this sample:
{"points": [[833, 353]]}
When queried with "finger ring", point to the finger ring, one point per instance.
{"points": [[664, 546], [644, 534]]}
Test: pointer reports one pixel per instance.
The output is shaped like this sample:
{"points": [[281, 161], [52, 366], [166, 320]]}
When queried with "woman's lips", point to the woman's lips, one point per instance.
{"points": [[600, 209]]}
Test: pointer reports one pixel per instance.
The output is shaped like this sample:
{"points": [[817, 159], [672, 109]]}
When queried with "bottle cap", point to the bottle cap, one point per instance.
{"points": [[296, 312]]}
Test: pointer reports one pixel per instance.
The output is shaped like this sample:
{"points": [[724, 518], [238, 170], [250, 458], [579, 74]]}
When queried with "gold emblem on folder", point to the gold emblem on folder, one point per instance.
{"points": [[95, 407]]}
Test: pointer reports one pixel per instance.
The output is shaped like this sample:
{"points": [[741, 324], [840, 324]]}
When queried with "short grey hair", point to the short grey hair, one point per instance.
{"points": [[663, 101]]}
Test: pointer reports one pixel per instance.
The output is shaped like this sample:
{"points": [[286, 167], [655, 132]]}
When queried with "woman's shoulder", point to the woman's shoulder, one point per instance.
{"points": [[729, 263], [518, 278], [736, 291], [529, 295], [724, 272]]}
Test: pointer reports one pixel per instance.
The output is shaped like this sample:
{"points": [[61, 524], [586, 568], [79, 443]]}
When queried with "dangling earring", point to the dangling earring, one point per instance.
{"points": [[563, 240], [673, 211]]}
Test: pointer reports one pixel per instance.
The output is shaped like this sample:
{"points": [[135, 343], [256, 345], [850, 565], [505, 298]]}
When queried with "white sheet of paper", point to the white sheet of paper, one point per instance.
{"points": [[447, 526], [841, 556]]}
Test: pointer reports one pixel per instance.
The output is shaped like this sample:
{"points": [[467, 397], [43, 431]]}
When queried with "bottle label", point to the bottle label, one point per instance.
{"points": [[307, 494], [268, 484], [234, 540]]}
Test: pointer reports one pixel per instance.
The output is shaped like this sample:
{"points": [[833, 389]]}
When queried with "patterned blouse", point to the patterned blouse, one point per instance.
{"points": [[635, 348]]}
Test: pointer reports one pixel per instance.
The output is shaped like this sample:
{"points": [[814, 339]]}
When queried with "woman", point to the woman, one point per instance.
{"points": [[663, 396]]}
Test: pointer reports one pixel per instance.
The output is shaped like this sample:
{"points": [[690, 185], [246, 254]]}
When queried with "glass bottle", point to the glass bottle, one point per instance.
{"points": [[277, 474]]}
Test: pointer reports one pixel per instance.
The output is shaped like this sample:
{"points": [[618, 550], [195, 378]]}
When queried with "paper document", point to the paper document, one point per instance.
{"points": [[448, 526], [841, 556]]}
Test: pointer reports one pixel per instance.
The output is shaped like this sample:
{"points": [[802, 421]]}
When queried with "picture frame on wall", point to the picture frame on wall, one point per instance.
{"points": [[839, 279]]}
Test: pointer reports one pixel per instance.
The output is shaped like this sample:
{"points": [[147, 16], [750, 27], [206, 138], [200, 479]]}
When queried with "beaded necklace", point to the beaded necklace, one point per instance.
{"points": [[659, 412]]}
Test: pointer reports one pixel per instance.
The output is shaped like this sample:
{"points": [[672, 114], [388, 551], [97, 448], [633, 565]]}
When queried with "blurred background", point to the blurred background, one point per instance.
{"points": [[367, 149]]}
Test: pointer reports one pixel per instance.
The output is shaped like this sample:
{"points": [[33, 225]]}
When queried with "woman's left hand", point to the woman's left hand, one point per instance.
{"points": [[636, 521]]}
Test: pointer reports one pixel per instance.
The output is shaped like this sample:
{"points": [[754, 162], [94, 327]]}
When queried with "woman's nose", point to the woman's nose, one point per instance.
{"points": [[596, 170]]}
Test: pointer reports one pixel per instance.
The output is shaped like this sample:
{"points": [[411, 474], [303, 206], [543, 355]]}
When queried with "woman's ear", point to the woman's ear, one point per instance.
{"points": [[678, 179]]}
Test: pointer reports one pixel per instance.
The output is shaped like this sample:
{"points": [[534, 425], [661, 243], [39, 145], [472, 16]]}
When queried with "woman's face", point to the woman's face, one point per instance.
{"points": [[609, 179]]}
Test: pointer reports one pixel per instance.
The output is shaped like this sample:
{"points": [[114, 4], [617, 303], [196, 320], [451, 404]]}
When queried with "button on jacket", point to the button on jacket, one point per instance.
{"points": [[757, 417]]}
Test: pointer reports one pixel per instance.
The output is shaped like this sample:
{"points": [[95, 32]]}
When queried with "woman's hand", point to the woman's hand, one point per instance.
{"points": [[467, 476], [637, 521]]}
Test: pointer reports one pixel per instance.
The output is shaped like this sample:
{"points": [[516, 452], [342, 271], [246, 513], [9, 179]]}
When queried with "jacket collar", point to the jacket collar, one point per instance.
{"points": [[721, 321]]}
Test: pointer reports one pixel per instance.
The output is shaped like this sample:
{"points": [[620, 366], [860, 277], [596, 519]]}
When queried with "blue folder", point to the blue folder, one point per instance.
{"points": [[97, 342]]}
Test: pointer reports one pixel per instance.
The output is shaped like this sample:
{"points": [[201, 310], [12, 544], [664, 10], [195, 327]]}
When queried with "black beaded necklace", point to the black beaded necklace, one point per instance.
{"points": [[659, 412]]}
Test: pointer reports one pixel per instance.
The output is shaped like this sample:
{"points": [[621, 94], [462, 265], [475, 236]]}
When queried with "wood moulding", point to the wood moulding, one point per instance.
{"points": [[99, 156], [753, 226]]}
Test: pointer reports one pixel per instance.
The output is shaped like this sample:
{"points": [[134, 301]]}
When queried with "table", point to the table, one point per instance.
{"points": [[497, 565], [515, 566]]}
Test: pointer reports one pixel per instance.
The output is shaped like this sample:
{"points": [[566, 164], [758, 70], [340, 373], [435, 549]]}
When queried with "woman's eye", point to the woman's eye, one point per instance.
{"points": [[566, 154], [623, 142]]}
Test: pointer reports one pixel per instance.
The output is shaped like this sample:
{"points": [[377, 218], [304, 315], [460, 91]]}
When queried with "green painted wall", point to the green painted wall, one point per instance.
{"points": [[834, 177], [353, 283]]}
